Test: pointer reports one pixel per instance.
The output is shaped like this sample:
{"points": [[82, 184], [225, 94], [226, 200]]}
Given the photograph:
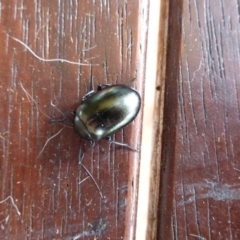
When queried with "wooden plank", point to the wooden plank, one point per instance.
{"points": [[45, 193], [200, 158]]}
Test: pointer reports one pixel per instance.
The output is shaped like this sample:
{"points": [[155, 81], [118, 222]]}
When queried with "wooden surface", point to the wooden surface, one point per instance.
{"points": [[200, 173], [45, 193], [149, 179]]}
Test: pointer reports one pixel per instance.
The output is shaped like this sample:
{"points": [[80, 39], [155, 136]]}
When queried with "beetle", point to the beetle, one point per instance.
{"points": [[103, 113], [106, 111]]}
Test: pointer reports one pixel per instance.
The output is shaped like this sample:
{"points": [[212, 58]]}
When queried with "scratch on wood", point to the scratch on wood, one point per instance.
{"points": [[15, 206], [51, 59]]}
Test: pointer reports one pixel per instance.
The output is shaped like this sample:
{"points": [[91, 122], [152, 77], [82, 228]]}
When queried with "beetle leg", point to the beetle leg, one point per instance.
{"points": [[80, 156], [92, 143], [64, 118], [53, 120], [87, 95], [82, 153], [100, 86], [128, 82], [123, 144]]}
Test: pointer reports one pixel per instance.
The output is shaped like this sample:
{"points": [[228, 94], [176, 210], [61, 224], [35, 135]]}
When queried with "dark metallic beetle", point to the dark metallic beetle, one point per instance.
{"points": [[103, 113]]}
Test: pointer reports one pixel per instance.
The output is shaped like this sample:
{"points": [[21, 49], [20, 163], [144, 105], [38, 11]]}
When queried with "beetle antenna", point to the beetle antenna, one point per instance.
{"points": [[123, 145]]}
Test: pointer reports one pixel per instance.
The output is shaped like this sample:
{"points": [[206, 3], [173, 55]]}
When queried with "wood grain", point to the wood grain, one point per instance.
{"points": [[44, 192], [200, 158]]}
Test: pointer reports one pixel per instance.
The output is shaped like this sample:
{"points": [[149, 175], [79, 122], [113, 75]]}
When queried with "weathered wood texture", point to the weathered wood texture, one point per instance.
{"points": [[44, 192], [200, 193]]}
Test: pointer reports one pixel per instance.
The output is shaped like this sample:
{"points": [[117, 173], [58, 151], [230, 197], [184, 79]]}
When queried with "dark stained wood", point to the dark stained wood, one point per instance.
{"points": [[45, 193], [199, 194]]}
